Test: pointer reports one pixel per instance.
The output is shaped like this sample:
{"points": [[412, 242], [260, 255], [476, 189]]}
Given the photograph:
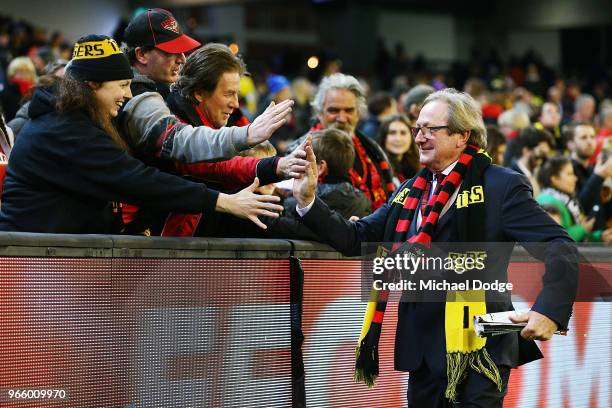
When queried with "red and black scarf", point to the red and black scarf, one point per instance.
{"points": [[374, 190]]}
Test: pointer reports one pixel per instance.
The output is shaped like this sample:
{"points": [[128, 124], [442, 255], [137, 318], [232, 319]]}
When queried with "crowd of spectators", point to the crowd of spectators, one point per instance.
{"points": [[553, 129]]}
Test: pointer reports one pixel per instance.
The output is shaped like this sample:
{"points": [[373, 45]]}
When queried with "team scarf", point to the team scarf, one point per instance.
{"points": [[374, 190], [464, 349]]}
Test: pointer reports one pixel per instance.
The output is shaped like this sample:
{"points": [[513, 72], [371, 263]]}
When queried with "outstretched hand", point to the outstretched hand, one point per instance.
{"points": [[268, 122], [246, 204], [304, 186], [294, 164]]}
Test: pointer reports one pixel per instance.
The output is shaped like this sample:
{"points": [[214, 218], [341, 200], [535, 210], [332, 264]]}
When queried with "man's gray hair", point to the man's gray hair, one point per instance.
{"points": [[464, 115], [606, 111], [339, 81], [582, 99]]}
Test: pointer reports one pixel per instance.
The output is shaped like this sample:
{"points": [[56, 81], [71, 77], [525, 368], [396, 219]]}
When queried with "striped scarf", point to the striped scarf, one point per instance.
{"points": [[370, 182], [463, 349]]}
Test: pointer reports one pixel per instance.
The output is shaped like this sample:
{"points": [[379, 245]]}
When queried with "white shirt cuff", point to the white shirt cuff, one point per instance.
{"points": [[303, 211]]}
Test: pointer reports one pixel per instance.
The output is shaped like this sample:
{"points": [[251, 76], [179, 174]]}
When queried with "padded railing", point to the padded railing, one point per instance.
{"points": [[109, 321]]}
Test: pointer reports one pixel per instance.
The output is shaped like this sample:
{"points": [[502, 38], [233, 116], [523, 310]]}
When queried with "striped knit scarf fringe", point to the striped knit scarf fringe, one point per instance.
{"points": [[367, 361]]}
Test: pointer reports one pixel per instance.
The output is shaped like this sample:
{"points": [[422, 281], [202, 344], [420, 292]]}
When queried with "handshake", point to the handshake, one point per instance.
{"points": [[300, 164]]}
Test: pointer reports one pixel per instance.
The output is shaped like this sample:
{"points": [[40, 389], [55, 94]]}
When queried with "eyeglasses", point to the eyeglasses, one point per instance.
{"points": [[431, 130]]}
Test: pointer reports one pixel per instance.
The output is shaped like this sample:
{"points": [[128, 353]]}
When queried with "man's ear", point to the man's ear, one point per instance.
{"points": [[463, 140], [141, 56], [414, 110], [198, 96], [323, 169]]}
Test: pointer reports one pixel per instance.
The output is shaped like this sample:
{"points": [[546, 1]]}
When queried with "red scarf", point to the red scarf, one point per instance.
{"points": [[203, 118], [24, 84], [375, 192]]}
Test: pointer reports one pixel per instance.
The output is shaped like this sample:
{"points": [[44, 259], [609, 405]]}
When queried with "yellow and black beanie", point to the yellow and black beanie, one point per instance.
{"points": [[98, 58]]}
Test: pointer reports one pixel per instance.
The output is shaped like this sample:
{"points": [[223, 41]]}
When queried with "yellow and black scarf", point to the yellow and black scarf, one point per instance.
{"points": [[464, 350]]}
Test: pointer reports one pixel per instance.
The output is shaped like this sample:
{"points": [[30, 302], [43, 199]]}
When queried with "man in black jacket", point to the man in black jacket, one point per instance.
{"points": [[580, 140]]}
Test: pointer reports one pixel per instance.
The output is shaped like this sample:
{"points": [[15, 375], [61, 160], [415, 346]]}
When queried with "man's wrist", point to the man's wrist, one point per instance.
{"points": [[279, 169], [248, 141], [222, 201], [304, 206]]}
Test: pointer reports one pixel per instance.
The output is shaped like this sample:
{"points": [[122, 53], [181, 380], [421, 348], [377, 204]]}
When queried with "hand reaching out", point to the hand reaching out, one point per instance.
{"points": [[304, 186], [603, 168], [294, 164], [268, 122], [246, 204]]}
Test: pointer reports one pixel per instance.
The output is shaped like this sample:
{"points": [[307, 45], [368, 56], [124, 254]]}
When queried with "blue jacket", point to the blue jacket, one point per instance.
{"points": [[64, 172], [511, 216]]}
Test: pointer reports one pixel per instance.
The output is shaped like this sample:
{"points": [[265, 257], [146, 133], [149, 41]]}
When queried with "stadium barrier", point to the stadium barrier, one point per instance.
{"points": [[116, 321]]}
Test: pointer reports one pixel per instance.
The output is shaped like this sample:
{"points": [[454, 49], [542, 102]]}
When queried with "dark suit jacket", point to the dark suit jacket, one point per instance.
{"points": [[511, 216]]}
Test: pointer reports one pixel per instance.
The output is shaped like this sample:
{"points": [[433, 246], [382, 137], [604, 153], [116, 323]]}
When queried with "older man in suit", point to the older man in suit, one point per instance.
{"points": [[458, 197]]}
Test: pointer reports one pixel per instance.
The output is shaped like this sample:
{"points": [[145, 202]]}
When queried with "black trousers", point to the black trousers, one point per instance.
{"points": [[426, 390]]}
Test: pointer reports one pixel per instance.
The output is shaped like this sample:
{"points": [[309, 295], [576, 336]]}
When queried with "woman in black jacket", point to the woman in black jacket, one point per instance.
{"points": [[70, 163]]}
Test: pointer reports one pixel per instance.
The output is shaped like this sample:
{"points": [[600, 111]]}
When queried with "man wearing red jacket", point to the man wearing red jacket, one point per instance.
{"points": [[206, 94]]}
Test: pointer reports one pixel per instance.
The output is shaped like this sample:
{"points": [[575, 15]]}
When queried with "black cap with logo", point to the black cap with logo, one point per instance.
{"points": [[158, 28]]}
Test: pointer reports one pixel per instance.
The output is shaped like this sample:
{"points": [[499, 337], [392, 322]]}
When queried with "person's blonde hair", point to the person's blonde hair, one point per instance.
{"points": [[21, 64], [515, 119], [261, 150]]}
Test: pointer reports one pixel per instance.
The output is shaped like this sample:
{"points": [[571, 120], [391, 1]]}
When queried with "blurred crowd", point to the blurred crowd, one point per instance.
{"points": [[553, 129]]}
